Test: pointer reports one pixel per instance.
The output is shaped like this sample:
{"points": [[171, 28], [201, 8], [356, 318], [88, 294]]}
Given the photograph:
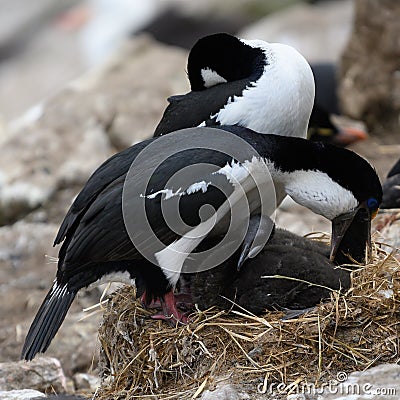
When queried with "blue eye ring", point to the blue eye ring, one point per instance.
{"points": [[372, 203]]}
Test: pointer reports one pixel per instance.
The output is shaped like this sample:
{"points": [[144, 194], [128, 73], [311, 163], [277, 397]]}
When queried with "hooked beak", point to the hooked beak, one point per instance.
{"points": [[340, 226]]}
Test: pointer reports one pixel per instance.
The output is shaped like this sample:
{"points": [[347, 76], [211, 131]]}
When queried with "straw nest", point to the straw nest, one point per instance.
{"points": [[350, 331]]}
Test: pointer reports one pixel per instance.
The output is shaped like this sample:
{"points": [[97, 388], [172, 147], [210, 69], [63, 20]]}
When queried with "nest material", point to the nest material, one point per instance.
{"points": [[352, 331]]}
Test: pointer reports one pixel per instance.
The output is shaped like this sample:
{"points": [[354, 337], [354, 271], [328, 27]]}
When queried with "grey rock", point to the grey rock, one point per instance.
{"points": [[27, 269], [86, 382], [75, 344], [377, 383], [222, 392], [137, 83], [58, 144], [24, 394], [370, 78], [380, 382], [24, 274], [43, 374], [60, 147], [296, 397]]}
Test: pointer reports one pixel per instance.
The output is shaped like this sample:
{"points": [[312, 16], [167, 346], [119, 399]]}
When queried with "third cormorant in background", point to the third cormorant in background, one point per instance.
{"points": [[391, 188]]}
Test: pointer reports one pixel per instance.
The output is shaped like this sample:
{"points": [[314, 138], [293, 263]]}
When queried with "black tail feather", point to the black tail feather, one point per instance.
{"points": [[48, 320]]}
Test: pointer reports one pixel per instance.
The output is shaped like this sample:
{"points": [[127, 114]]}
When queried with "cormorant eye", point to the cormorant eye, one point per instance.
{"points": [[372, 204]]}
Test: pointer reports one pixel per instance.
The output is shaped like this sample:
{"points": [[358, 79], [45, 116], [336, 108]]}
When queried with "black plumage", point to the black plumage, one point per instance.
{"points": [[310, 276], [326, 83], [356, 241], [391, 188], [192, 109], [300, 260], [239, 64]]}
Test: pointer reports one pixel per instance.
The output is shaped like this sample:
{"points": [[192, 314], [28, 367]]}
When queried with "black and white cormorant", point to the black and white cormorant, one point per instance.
{"points": [[266, 87], [330, 181], [215, 84], [391, 188]]}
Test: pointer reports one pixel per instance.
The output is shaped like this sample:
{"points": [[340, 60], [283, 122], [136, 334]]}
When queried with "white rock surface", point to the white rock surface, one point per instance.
{"points": [[381, 382], [24, 394]]}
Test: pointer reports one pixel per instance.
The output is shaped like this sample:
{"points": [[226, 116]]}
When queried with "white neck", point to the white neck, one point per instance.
{"points": [[281, 100], [315, 190]]}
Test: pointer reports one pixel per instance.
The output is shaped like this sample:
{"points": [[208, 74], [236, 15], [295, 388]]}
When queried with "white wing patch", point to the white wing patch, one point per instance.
{"points": [[235, 172], [169, 193], [197, 187], [211, 77]]}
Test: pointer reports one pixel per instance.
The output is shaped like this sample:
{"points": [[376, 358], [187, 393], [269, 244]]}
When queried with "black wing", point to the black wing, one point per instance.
{"points": [[193, 108], [94, 227]]}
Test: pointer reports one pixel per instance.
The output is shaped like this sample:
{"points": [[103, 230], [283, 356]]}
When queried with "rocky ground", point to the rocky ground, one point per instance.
{"points": [[50, 151]]}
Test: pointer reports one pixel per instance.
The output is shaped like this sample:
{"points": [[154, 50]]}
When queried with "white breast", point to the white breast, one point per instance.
{"points": [[281, 101]]}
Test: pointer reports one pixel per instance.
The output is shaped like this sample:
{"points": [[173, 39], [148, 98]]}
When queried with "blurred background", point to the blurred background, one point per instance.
{"points": [[80, 80], [45, 44]]}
